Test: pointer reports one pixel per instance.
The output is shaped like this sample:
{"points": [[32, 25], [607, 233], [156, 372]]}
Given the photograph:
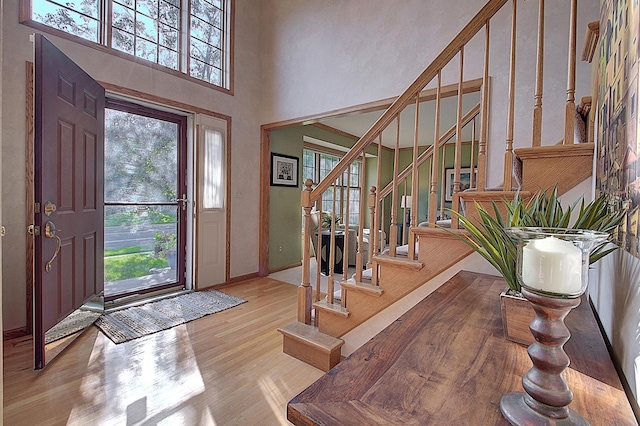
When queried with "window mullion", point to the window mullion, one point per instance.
{"points": [[185, 30], [106, 18]]}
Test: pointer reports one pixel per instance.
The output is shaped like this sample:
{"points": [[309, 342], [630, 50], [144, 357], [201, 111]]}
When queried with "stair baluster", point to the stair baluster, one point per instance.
{"points": [[318, 237], [484, 115], [458, 149], [570, 109], [508, 152], [433, 190], [537, 108]]}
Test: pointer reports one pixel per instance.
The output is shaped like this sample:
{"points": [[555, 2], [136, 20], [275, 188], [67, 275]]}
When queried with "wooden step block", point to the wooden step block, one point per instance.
{"points": [[367, 288], [307, 344]]}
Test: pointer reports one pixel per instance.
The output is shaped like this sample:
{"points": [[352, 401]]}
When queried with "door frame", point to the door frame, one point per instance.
{"points": [[114, 90], [144, 109]]}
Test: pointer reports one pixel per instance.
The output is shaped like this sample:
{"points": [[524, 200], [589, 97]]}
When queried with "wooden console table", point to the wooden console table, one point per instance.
{"points": [[446, 362]]}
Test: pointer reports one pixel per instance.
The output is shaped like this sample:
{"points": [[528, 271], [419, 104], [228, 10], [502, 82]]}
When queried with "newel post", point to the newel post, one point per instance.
{"points": [[304, 291]]}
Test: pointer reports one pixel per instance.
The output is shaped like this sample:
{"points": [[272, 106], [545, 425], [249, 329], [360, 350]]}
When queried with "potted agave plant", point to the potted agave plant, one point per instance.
{"points": [[487, 236]]}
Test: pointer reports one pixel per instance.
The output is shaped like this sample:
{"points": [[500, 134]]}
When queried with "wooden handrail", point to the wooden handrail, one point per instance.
{"points": [[463, 37]]}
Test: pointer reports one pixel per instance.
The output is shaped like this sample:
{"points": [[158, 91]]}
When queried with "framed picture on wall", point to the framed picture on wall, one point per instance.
{"points": [[284, 170], [465, 181]]}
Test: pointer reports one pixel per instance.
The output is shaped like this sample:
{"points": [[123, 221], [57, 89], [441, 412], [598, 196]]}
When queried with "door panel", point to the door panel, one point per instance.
{"points": [[68, 157], [212, 247]]}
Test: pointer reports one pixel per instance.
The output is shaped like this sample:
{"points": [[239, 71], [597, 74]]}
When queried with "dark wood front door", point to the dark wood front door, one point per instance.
{"points": [[68, 183]]}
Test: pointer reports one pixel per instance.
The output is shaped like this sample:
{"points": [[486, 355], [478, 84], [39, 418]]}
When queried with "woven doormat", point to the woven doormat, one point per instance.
{"points": [[138, 321], [77, 321]]}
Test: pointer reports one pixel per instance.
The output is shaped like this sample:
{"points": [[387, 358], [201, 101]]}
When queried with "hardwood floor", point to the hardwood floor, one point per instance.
{"points": [[224, 369]]}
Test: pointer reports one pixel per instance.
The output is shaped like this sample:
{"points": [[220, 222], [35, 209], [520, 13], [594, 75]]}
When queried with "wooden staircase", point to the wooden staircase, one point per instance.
{"points": [[316, 337], [319, 345]]}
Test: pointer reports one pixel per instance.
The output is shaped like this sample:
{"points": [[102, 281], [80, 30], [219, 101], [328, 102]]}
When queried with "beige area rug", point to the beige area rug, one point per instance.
{"points": [[138, 321]]}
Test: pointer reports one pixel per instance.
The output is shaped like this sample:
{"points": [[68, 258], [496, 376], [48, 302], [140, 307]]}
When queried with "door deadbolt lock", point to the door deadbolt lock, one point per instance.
{"points": [[33, 230], [49, 208]]}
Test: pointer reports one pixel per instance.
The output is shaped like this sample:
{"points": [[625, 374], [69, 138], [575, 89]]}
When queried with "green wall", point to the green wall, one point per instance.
{"points": [[285, 212], [424, 176]]}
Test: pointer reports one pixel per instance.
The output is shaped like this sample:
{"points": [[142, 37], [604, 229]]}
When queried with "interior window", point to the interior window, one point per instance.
{"points": [[316, 165]]}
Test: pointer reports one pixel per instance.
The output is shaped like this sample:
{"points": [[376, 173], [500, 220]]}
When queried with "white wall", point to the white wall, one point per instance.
{"points": [[1, 222], [242, 107], [321, 56], [616, 296]]}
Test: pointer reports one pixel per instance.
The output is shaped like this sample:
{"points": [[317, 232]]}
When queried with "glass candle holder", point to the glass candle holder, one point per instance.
{"points": [[552, 268], [554, 262]]}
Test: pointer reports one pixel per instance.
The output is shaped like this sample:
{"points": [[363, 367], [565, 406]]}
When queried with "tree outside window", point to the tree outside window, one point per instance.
{"points": [[316, 165], [148, 29]]}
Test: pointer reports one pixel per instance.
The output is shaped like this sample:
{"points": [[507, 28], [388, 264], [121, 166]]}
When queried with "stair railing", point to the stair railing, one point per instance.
{"points": [[399, 178], [432, 74]]}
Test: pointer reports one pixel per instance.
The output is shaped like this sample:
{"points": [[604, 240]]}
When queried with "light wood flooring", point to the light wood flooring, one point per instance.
{"points": [[224, 369]]}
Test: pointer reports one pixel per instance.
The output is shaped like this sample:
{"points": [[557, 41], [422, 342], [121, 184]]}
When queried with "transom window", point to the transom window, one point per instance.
{"points": [[188, 36], [316, 165]]}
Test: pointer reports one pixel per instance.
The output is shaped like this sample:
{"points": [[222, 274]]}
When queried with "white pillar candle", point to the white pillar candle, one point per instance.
{"points": [[552, 265]]}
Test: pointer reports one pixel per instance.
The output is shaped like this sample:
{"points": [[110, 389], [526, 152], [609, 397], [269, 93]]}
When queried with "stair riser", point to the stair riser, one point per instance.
{"points": [[311, 354]]}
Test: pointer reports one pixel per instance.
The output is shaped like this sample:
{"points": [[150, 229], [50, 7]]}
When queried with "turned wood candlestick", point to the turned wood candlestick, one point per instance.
{"points": [[547, 397]]}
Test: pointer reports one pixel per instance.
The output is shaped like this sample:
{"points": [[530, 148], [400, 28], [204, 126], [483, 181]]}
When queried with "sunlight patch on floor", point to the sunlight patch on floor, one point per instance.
{"points": [[274, 398], [157, 379]]}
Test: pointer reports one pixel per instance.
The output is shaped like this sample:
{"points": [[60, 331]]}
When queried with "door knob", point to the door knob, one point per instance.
{"points": [[50, 232], [184, 200]]}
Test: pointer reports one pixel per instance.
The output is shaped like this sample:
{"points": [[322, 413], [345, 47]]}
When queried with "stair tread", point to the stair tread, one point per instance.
{"points": [[398, 261], [555, 150], [334, 308], [311, 335], [493, 195], [363, 287]]}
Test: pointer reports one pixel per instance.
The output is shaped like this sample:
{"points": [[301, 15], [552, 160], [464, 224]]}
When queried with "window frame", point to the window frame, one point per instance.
{"points": [[105, 33], [341, 198]]}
